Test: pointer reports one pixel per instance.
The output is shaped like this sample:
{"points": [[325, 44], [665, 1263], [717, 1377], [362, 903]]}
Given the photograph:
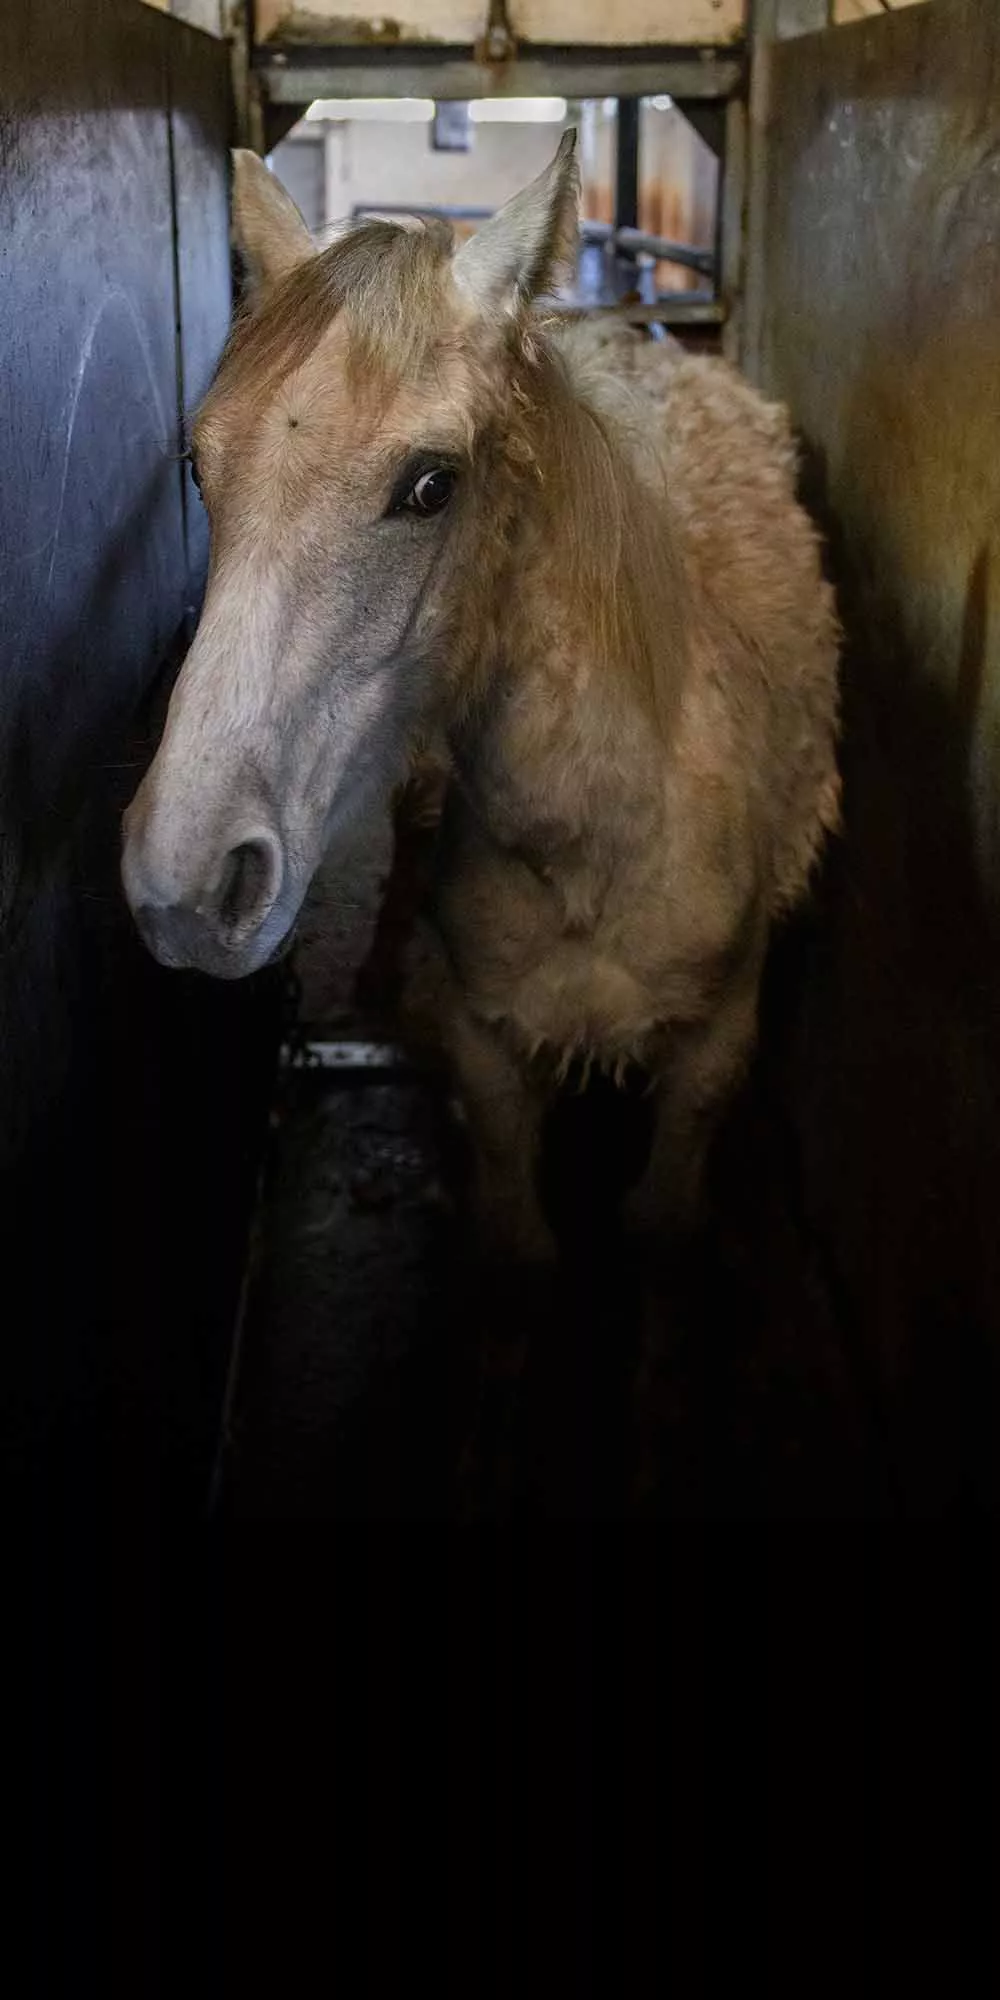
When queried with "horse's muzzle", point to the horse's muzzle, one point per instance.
{"points": [[227, 925]]}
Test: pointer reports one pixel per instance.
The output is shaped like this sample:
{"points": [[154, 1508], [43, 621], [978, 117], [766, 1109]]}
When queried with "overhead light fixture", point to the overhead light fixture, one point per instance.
{"points": [[376, 110], [517, 110], [662, 103]]}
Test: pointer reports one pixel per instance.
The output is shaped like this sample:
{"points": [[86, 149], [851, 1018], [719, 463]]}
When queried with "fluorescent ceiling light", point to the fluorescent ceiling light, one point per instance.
{"points": [[661, 103], [517, 110], [391, 110]]}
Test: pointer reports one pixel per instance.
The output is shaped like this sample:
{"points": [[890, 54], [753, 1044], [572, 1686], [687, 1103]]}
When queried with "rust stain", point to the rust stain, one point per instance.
{"points": [[300, 25], [345, 30]]}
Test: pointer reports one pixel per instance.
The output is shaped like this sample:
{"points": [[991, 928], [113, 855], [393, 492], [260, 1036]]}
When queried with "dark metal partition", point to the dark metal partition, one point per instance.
{"points": [[130, 1099], [881, 310]]}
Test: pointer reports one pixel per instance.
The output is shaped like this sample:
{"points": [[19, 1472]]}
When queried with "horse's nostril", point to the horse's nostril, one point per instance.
{"points": [[250, 882]]}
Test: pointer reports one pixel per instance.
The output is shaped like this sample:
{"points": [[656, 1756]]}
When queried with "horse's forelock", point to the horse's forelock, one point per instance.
{"points": [[383, 276]]}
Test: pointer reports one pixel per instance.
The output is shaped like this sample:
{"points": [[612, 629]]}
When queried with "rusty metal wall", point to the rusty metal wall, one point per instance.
{"points": [[129, 1099], [464, 21], [881, 328]]}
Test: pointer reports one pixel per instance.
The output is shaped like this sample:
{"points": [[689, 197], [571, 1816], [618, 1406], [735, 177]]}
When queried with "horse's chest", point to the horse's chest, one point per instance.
{"points": [[533, 959], [565, 941], [579, 999]]}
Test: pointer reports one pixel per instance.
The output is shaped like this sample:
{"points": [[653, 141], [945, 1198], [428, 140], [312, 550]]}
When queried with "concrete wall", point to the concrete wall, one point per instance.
{"points": [[374, 163], [882, 330]]}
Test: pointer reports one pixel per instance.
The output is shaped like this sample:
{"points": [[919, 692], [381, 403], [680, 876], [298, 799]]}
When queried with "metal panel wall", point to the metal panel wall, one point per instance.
{"points": [[881, 327], [129, 1100]]}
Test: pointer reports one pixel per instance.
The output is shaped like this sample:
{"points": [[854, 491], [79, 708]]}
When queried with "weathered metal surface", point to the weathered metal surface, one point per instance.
{"points": [[882, 330], [628, 21], [329, 20], [771, 22], [678, 21], [730, 225], [200, 128], [88, 423], [127, 1097], [301, 76], [784, 18], [689, 310]]}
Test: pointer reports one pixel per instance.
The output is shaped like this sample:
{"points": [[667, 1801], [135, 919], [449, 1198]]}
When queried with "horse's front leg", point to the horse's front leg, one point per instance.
{"points": [[416, 812], [694, 1087], [505, 1108], [695, 1080], [516, 1272]]}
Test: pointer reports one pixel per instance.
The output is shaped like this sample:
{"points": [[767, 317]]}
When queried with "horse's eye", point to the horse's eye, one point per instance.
{"points": [[432, 491], [193, 463]]}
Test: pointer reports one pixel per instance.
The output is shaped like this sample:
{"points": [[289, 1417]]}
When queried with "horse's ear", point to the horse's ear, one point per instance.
{"points": [[529, 244], [270, 233]]}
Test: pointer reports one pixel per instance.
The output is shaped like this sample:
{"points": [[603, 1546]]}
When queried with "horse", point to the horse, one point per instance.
{"points": [[444, 506]]}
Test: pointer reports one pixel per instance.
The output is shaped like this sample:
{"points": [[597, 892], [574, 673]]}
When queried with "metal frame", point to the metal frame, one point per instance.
{"points": [[706, 83], [771, 21], [627, 164], [730, 226], [296, 73], [723, 92]]}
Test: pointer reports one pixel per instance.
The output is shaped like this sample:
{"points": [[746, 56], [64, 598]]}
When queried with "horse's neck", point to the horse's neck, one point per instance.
{"points": [[547, 771]]}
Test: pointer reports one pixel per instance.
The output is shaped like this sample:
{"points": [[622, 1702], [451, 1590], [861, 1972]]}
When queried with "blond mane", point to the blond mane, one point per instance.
{"points": [[602, 503]]}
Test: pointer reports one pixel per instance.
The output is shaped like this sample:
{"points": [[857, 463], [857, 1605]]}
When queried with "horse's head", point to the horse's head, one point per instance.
{"points": [[339, 457]]}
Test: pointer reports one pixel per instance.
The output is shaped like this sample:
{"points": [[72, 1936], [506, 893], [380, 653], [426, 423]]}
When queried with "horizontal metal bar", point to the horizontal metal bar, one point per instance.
{"points": [[346, 1056], [300, 76], [684, 310], [385, 55], [639, 242], [660, 247], [636, 240]]}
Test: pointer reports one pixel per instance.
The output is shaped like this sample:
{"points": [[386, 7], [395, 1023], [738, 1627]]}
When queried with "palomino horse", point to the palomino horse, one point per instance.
{"points": [[437, 503]]}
